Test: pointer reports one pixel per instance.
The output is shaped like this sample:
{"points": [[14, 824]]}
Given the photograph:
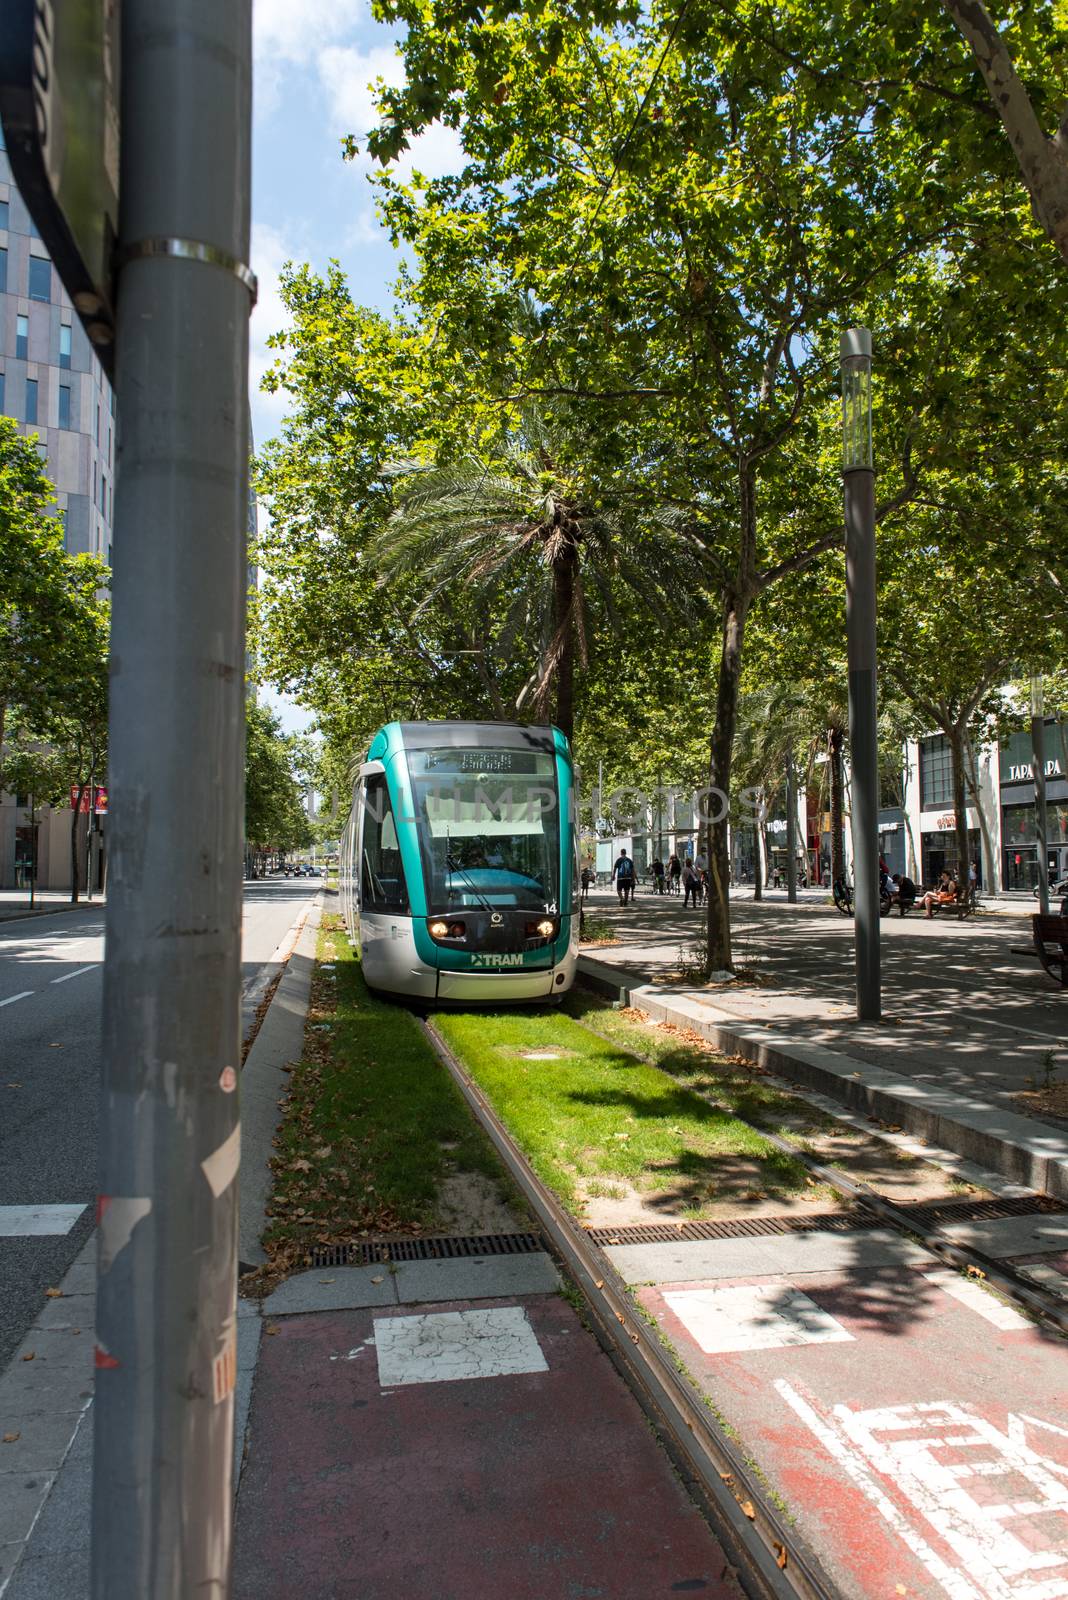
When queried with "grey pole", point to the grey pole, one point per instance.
{"points": [[858, 477], [1038, 750], [89, 837], [167, 1236], [791, 831]]}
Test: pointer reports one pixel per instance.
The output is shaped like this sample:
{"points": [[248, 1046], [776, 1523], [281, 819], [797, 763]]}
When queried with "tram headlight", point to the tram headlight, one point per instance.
{"points": [[438, 928], [541, 930]]}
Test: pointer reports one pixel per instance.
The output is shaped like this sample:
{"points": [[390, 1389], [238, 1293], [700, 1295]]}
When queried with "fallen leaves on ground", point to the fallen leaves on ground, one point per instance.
{"points": [[9, 1438]]}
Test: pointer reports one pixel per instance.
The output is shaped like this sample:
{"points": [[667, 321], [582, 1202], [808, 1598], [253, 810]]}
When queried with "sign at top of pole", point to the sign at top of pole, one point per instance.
{"points": [[59, 103]]}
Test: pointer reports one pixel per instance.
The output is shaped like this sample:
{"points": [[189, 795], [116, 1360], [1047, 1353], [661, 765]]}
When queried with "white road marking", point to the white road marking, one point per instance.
{"points": [[753, 1317], [18, 1222], [22, 995], [931, 1455], [976, 1298], [447, 1345], [67, 976]]}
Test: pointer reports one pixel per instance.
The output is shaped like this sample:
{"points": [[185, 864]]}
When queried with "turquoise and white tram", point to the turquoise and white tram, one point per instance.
{"points": [[459, 862]]}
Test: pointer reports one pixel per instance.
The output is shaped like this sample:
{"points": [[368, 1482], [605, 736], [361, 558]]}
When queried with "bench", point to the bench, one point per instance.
{"points": [[953, 908], [1050, 935]]}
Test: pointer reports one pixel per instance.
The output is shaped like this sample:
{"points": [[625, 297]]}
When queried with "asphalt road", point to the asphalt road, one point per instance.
{"points": [[50, 993]]}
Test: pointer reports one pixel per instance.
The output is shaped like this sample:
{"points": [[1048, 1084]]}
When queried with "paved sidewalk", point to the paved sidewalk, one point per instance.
{"points": [[15, 903], [966, 1023], [959, 1008]]}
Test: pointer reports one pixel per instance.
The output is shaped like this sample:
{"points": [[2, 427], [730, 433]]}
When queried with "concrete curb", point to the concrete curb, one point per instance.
{"points": [[279, 1041], [52, 911], [1022, 1148]]}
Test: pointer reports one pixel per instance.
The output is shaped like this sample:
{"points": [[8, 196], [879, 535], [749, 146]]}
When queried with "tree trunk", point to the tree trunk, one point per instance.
{"points": [[991, 875], [719, 777], [835, 741], [564, 574], [75, 874], [1042, 162], [758, 858], [960, 810]]}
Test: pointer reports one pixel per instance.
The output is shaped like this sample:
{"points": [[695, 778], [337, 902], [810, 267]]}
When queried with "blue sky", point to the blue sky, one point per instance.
{"points": [[314, 62]]}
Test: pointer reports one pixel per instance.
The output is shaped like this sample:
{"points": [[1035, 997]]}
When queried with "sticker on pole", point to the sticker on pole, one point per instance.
{"points": [[224, 1370]]}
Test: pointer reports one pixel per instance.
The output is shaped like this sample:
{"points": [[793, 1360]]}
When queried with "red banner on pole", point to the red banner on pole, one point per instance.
{"points": [[95, 799]]}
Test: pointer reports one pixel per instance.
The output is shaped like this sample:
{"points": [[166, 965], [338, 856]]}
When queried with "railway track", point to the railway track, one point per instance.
{"points": [[763, 1546]]}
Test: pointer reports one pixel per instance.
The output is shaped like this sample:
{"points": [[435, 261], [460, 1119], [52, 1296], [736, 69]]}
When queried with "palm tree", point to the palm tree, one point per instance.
{"points": [[518, 530]]}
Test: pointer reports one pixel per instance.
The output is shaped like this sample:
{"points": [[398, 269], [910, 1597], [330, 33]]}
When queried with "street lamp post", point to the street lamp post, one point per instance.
{"points": [[1038, 753], [858, 480], [791, 830]]}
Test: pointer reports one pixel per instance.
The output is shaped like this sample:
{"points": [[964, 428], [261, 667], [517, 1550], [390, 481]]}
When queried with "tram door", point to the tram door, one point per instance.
{"points": [[386, 944]]}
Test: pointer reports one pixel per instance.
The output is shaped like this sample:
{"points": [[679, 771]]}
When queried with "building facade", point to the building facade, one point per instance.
{"points": [[55, 389], [917, 838]]}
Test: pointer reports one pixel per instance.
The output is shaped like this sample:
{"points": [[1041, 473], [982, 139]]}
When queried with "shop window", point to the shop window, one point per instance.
{"points": [[936, 772]]}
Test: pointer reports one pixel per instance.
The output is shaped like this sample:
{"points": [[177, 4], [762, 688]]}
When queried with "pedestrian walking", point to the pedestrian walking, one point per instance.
{"points": [[674, 874], [623, 877], [658, 876], [587, 880], [691, 884]]}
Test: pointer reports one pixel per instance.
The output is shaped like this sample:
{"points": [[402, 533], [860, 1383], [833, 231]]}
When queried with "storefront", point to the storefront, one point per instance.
{"points": [[938, 853], [1019, 839], [1019, 821]]}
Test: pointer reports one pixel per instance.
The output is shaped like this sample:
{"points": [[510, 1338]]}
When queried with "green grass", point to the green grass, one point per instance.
{"points": [[737, 1084], [372, 1124], [599, 1115]]}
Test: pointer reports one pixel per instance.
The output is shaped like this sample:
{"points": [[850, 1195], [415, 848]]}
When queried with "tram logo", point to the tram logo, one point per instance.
{"points": [[489, 959]]}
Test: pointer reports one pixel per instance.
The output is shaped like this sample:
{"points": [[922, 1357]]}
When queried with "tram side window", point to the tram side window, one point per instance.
{"points": [[382, 885]]}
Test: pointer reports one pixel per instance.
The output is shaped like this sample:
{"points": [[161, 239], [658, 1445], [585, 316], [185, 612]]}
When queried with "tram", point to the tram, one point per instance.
{"points": [[458, 870]]}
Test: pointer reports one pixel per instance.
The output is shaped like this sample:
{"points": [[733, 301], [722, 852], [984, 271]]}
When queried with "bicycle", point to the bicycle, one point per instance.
{"points": [[843, 897]]}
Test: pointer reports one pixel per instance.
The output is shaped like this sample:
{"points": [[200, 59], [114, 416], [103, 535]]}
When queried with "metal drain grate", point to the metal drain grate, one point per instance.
{"points": [[1025, 1205], [928, 1215], [370, 1252], [735, 1228]]}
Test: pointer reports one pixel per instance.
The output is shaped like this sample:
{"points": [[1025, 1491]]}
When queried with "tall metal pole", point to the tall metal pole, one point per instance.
{"points": [[166, 1303], [89, 837], [791, 831], [1038, 750], [858, 477]]}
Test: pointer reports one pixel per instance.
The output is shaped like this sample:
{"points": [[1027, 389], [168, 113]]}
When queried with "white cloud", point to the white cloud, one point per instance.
{"points": [[269, 252], [347, 74], [291, 33]]}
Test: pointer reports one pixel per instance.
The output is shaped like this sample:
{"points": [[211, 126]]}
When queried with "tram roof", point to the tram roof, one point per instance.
{"points": [[481, 735]]}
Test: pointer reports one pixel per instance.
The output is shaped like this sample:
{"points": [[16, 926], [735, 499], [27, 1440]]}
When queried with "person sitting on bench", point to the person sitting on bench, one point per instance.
{"points": [[944, 895]]}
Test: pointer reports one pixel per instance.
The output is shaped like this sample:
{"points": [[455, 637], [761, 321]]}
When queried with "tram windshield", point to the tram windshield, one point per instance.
{"points": [[489, 828]]}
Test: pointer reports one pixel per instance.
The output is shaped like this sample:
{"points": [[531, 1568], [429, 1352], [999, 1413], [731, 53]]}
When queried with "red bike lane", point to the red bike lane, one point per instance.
{"points": [[914, 1427], [458, 1451]]}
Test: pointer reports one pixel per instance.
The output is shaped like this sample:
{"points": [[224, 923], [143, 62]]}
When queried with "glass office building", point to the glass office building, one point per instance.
{"points": [[51, 382]]}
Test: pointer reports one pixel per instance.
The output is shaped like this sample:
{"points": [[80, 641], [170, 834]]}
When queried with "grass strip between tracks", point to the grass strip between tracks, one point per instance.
{"points": [[734, 1080], [372, 1125], [594, 1120]]}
